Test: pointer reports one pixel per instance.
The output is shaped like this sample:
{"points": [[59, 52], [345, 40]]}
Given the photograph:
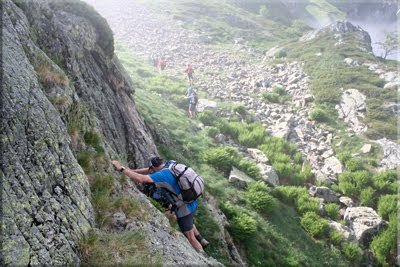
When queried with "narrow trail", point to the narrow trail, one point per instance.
{"points": [[232, 72]]}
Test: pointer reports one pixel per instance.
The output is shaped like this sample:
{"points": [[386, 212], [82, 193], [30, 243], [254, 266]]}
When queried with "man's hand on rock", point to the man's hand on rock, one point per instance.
{"points": [[116, 164]]}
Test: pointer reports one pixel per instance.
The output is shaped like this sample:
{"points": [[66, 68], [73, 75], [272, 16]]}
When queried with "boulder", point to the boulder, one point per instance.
{"points": [[205, 104], [119, 221], [257, 155], [391, 153], [366, 148], [364, 222], [351, 106], [332, 165], [346, 201], [308, 98], [268, 174], [392, 85], [347, 233], [239, 178], [324, 193]]}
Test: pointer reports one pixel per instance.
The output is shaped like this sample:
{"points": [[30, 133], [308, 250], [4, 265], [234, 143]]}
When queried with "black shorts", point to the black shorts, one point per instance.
{"points": [[192, 107], [186, 223]]}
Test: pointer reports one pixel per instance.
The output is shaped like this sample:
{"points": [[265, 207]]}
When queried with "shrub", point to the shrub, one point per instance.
{"points": [[208, 118], [384, 245], [240, 109], [354, 165], [336, 237], [101, 189], [243, 226], [319, 115], [250, 168], [231, 129], [258, 197], [385, 182], [271, 97], [305, 203], [343, 156], [283, 170], [301, 177], [387, 205], [126, 204], [84, 160], [352, 252], [314, 224], [351, 183], [289, 194], [222, 158], [229, 209], [252, 138], [366, 196], [332, 210], [212, 132], [281, 54], [279, 90]]}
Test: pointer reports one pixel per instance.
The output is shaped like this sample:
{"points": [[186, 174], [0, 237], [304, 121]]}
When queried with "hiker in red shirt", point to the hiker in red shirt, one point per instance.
{"points": [[189, 72], [162, 63]]}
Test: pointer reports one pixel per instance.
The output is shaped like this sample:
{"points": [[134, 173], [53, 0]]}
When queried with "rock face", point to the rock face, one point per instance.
{"points": [[350, 109], [59, 73], [324, 193], [364, 222], [239, 178], [391, 154]]}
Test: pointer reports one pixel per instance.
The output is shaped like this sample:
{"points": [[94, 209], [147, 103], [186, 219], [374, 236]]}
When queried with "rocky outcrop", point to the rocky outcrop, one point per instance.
{"points": [[324, 193], [364, 222], [347, 233], [268, 173], [391, 154], [351, 108], [60, 81], [239, 178]]}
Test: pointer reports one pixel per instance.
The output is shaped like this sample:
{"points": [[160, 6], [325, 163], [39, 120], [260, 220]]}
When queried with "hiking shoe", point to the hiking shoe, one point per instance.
{"points": [[204, 243]]}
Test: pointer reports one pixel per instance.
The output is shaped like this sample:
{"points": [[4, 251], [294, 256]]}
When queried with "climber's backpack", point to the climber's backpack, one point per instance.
{"points": [[190, 183]]}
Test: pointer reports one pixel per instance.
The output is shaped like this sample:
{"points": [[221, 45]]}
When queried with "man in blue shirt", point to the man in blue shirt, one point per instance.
{"points": [[162, 177]]}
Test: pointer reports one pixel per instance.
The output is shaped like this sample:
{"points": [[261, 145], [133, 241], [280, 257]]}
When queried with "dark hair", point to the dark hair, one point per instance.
{"points": [[155, 162]]}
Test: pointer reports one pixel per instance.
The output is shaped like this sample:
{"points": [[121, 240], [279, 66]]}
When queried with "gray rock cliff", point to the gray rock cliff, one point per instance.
{"points": [[60, 77]]}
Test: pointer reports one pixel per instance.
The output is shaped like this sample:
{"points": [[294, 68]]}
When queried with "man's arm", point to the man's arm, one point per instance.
{"points": [[143, 171], [140, 178]]}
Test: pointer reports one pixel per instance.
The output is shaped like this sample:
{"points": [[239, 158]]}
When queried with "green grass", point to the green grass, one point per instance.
{"points": [[182, 140], [328, 74], [128, 248]]}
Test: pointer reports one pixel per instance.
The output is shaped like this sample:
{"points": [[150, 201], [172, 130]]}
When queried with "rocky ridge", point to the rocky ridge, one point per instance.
{"points": [[62, 81]]}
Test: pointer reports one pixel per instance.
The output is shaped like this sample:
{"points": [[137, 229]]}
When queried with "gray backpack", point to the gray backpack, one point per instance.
{"points": [[190, 183]]}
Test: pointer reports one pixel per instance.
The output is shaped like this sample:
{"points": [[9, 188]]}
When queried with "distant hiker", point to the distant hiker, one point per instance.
{"points": [[162, 176], [189, 72], [193, 100], [162, 63], [189, 91], [154, 60]]}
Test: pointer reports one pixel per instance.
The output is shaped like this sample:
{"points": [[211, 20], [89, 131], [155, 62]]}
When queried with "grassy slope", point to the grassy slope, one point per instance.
{"points": [[280, 240], [328, 74]]}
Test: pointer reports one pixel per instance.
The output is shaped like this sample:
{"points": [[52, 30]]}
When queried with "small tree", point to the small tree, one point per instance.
{"points": [[390, 45]]}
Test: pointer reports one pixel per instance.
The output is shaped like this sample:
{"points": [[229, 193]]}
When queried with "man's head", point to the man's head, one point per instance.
{"points": [[156, 164]]}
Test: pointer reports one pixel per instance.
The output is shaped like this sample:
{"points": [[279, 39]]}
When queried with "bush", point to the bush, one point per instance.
{"points": [[243, 226], [229, 209], [272, 97], [289, 194], [332, 210], [388, 205], [250, 168], [314, 224], [232, 129], [240, 109], [384, 245], [344, 156], [284, 170], [354, 165], [366, 196], [336, 237], [305, 204], [386, 182], [319, 115], [222, 158], [281, 54], [208, 118], [252, 138], [258, 197], [279, 90], [352, 252], [299, 178], [212, 132], [351, 183]]}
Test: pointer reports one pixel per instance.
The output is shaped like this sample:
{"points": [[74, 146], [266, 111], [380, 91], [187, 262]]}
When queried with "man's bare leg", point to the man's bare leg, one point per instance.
{"points": [[193, 241]]}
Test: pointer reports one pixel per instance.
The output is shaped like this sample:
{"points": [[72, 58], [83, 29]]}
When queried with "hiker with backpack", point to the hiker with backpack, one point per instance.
{"points": [[189, 72], [162, 63], [193, 100], [185, 187]]}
